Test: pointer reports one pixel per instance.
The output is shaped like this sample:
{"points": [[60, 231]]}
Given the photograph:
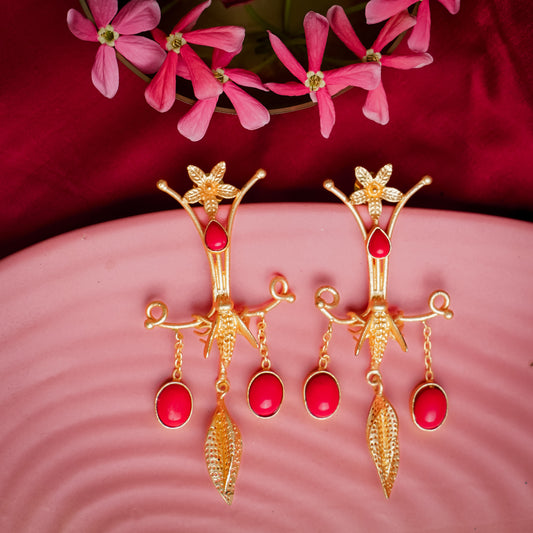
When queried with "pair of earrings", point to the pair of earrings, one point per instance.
{"points": [[223, 446]]}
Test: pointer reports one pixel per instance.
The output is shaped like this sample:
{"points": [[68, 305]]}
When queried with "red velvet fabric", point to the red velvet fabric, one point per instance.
{"points": [[70, 157]]}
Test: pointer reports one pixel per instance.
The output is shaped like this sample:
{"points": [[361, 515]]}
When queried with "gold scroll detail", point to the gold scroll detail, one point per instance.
{"points": [[382, 438], [223, 449]]}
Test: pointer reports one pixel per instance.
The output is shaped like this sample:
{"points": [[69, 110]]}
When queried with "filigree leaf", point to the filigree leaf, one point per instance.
{"points": [[196, 174], [218, 171], [223, 449], [363, 176], [384, 174], [382, 438]]}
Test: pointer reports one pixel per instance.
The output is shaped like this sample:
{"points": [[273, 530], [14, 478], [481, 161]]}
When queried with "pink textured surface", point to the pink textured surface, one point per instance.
{"points": [[82, 451]]}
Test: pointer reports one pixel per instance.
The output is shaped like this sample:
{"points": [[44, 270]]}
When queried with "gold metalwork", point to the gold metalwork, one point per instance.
{"points": [[224, 321], [377, 323]]}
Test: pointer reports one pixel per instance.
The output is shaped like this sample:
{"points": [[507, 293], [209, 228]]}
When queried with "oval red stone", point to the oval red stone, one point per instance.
{"points": [[265, 394], [429, 406], [321, 394], [215, 237], [173, 404], [378, 244]]}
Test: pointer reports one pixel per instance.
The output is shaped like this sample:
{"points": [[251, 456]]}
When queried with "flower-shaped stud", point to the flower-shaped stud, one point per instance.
{"points": [[374, 190], [210, 189]]}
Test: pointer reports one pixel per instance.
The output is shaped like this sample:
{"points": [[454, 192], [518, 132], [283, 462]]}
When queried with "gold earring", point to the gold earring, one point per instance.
{"points": [[378, 323], [223, 445]]}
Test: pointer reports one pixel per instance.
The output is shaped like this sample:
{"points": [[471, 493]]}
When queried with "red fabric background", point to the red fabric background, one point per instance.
{"points": [[70, 157]]}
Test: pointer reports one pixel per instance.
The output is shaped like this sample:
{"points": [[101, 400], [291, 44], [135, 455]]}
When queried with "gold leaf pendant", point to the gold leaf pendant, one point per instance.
{"points": [[382, 438], [223, 449]]}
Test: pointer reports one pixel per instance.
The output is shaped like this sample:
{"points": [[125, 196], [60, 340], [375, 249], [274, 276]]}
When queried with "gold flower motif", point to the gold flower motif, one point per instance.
{"points": [[374, 190], [210, 189]]}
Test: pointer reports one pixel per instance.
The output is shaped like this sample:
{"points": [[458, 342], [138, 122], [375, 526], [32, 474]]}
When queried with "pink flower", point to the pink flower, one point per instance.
{"points": [[252, 114], [161, 92], [117, 32], [320, 85], [379, 10], [376, 107]]}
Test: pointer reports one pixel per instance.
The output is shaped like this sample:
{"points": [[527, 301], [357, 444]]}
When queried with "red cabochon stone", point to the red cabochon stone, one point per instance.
{"points": [[322, 395], [265, 394], [216, 238], [430, 407], [379, 244], [173, 404]]}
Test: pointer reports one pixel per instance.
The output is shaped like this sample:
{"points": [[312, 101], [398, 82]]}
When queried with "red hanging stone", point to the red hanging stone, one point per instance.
{"points": [[173, 404], [215, 237], [265, 394], [378, 245], [429, 406], [321, 394]]}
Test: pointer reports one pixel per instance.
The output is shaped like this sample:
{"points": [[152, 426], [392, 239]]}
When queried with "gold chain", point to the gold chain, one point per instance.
{"points": [[324, 356], [427, 352], [178, 357], [261, 338]]}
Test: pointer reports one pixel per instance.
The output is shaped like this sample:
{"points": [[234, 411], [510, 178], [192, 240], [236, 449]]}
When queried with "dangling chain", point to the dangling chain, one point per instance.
{"points": [[324, 356], [178, 357], [261, 338], [427, 352]]}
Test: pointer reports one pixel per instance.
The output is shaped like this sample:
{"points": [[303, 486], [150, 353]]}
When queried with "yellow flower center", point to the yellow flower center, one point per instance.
{"points": [[220, 75], [372, 57], [175, 41], [108, 35], [315, 80], [374, 190]]}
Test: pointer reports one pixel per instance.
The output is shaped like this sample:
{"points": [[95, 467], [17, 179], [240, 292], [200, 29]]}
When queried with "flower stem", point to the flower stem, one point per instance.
{"points": [[261, 21]]}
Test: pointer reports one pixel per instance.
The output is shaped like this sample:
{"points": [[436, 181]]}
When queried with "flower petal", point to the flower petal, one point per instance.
{"points": [[252, 114], [383, 175], [287, 59], [291, 88], [217, 172], [227, 38], [105, 71], [161, 91], [419, 39], [194, 124], [204, 83], [451, 5], [137, 16], [160, 37], [144, 53], [316, 29], [189, 20], [376, 107], [81, 27], [244, 77], [379, 10], [225, 190], [103, 11], [344, 31], [196, 174], [363, 176], [327, 112], [374, 208], [358, 197], [394, 27], [221, 59], [391, 194], [364, 75], [407, 62], [193, 195]]}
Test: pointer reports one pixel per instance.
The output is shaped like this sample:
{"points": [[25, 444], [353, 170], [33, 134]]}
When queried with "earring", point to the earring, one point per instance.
{"points": [[429, 403], [173, 401], [321, 388], [265, 389], [378, 323], [223, 445]]}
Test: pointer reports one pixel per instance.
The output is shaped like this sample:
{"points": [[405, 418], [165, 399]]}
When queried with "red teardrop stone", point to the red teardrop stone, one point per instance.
{"points": [[429, 406], [378, 244], [265, 394], [321, 394], [215, 237], [173, 404]]}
